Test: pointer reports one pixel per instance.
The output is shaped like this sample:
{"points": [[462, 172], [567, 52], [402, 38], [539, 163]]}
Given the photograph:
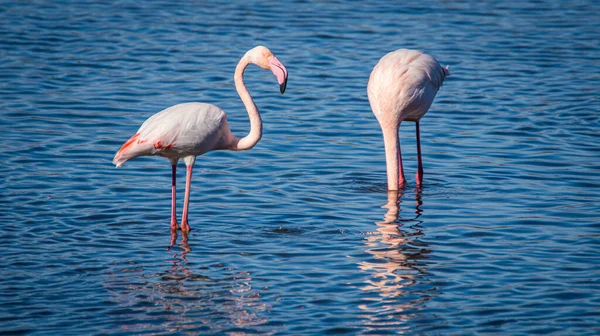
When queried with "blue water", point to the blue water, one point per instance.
{"points": [[291, 237]]}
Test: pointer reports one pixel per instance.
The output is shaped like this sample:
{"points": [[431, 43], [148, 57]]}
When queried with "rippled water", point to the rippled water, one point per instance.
{"points": [[291, 237]]}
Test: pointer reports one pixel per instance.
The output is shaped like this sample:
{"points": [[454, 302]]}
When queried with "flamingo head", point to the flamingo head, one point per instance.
{"points": [[264, 58]]}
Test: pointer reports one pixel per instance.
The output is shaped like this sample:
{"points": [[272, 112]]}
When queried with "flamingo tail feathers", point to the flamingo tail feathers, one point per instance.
{"points": [[446, 70], [129, 150]]}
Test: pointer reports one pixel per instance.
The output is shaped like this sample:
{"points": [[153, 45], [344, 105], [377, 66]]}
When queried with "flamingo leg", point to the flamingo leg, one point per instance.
{"points": [[185, 226], [401, 179], [420, 163], [173, 198]]}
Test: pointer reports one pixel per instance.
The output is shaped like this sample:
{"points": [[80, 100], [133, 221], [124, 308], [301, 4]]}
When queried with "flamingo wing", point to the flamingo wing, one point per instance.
{"points": [[178, 131]]}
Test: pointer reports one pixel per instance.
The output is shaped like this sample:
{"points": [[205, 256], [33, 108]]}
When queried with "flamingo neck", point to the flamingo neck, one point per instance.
{"points": [[255, 133], [393, 158]]}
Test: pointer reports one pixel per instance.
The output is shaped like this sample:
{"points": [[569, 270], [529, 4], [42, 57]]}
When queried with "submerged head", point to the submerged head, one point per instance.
{"points": [[264, 58]]}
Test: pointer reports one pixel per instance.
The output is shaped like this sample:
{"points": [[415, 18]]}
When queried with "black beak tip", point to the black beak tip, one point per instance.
{"points": [[282, 86]]}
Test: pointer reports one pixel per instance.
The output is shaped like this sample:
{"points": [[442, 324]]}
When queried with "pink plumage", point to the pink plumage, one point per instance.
{"points": [[402, 86], [187, 130]]}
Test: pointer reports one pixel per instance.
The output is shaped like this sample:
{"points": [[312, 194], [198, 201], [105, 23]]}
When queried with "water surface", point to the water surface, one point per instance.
{"points": [[298, 235]]}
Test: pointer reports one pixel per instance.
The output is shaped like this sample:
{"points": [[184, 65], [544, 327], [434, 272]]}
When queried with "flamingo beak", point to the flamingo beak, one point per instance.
{"points": [[279, 71]]}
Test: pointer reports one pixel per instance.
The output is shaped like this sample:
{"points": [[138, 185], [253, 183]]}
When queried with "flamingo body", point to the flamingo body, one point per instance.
{"points": [[189, 129], [185, 131], [402, 87]]}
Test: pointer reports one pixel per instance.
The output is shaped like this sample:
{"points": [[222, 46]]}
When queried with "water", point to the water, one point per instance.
{"points": [[291, 237]]}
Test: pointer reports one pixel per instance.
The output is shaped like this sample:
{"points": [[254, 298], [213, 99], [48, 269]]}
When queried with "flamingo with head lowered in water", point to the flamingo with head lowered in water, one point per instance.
{"points": [[402, 87], [187, 130]]}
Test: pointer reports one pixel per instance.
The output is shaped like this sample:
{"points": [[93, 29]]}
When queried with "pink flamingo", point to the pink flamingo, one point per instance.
{"points": [[187, 130], [402, 87]]}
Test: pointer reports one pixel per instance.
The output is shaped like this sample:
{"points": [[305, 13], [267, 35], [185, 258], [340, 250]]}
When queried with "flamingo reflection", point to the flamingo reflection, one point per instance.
{"points": [[187, 296], [396, 264], [184, 244]]}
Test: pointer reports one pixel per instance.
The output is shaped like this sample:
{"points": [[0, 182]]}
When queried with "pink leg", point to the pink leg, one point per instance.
{"points": [[185, 226], [401, 179], [420, 163], [173, 198]]}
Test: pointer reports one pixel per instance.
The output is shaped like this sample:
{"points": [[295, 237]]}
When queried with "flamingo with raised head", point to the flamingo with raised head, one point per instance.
{"points": [[187, 130], [402, 87]]}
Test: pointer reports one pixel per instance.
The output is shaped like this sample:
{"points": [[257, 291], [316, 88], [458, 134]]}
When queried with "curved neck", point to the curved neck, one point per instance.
{"points": [[255, 134], [393, 158]]}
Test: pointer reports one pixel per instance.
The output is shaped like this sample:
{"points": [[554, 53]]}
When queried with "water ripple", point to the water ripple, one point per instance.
{"points": [[291, 237]]}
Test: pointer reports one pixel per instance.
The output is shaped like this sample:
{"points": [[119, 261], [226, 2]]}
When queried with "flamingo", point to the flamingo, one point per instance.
{"points": [[187, 130], [402, 87]]}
